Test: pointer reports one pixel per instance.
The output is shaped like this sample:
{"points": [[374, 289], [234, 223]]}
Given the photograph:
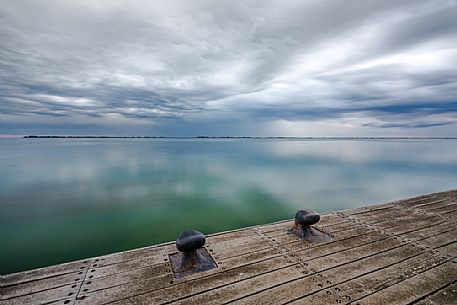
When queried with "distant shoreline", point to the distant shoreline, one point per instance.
{"points": [[233, 137]]}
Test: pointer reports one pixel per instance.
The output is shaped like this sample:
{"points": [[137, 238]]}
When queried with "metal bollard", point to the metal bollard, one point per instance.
{"points": [[302, 227], [187, 243], [192, 257]]}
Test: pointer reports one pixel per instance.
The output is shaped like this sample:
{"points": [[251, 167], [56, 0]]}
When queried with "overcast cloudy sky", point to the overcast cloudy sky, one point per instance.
{"points": [[268, 68]]}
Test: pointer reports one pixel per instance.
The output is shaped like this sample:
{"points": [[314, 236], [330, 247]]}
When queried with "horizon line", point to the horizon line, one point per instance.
{"points": [[225, 137]]}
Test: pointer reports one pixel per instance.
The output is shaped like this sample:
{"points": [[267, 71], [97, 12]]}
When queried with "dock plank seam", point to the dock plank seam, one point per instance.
{"points": [[89, 266], [436, 265], [280, 249], [420, 211], [432, 293], [374, 226]]}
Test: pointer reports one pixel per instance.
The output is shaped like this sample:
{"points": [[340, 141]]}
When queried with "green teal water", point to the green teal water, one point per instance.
{"points": [[66, 199]]}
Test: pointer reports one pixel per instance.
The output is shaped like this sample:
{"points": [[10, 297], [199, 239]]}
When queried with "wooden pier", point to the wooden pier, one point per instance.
{"points": [[402, 252]]}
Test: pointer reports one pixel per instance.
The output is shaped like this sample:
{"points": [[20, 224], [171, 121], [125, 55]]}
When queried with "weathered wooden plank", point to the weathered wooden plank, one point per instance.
{"points": [[379, 218], [335, 227], [409, 226], [357, 286], [444, 296], [415, 287], [445, 205], [424, 199], [353, 289], [366, 209], [425, 204], [41, 273], [45, 296], [426, 231], [43, 284], [452, 215], [446, 194]]}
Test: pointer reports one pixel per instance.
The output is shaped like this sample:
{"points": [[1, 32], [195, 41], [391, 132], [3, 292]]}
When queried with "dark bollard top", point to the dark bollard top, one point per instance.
{"points": [[307, 218], [190, 240]]}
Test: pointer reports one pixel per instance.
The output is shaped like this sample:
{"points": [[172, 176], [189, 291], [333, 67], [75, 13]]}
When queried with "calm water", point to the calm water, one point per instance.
{"points": [[62, 200]]}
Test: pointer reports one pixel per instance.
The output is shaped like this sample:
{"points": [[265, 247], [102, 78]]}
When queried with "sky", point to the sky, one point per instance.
{"points": [[228, 68]]}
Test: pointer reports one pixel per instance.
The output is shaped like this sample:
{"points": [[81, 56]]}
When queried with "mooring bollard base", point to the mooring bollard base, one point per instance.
{"points": [[192, 257], [302, 227], [309, 234], [184, 264]]}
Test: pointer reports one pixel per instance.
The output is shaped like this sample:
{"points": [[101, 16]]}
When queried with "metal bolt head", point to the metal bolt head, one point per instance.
{"points": [[190, 240]]}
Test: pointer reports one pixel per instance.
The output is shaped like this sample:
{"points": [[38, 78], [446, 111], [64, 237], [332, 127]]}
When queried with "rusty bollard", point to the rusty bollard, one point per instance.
{"points": [[192, 257], [302, 227]]}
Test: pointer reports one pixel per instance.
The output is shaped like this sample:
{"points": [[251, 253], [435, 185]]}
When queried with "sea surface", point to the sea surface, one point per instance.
{"points": [[67, 199]]}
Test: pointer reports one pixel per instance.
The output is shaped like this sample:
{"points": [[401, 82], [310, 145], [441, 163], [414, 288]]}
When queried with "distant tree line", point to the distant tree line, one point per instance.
{"points": [[230, 137]]}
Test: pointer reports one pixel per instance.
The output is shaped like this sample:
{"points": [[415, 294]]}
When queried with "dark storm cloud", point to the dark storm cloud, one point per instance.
{"points": [[183, 65], [407, 110]]}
